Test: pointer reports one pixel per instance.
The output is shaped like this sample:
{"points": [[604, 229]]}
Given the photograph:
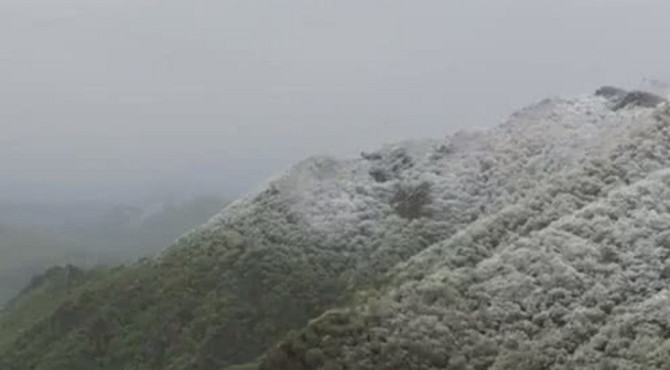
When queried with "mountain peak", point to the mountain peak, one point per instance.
{"points": [[621, 98]]}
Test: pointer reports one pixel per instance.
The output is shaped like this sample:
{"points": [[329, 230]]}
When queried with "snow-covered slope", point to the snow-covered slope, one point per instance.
{"points": [[417, 208], [570, 273], [360, 217]]}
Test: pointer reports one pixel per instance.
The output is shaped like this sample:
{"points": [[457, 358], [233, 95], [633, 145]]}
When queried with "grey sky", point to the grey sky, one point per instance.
{"points": [[118, 99]]}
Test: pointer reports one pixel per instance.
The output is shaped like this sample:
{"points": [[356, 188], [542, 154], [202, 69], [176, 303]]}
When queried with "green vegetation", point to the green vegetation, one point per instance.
{"points": [[41, 298], [318, 345], [251, 366], [205, 307]]}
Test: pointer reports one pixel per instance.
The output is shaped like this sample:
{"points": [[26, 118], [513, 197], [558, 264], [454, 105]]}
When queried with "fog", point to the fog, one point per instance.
{"points": [[106, 101]]}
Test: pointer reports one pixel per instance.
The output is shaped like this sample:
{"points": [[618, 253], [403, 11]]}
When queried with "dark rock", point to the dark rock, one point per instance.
{"points": [[610, 92], [621, 98], [379, 175], [641, 99], [371, 156]]}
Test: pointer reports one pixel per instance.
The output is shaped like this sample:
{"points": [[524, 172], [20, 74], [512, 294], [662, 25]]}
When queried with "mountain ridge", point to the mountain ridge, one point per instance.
{"points": [[401, 236]]}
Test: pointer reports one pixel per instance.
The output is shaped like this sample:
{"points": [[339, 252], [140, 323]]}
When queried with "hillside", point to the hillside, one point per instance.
{"points": [[572, 276], [44, 294], [536, 244]]}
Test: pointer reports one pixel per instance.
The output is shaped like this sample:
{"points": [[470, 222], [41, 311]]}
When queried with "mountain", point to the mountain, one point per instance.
{"points": [[537, 244]]}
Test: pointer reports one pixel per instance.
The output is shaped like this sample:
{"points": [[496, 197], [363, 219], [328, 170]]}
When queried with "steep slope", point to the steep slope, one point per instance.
{"points": [[351, 221], [397, 220], [572, 276]]}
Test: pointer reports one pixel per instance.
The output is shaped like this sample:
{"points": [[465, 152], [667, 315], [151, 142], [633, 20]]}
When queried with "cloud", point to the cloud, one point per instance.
{"points": [[124, 93]]}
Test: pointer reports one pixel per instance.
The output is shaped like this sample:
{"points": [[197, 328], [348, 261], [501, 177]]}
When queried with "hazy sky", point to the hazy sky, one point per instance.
{"points": [[118, 99]]}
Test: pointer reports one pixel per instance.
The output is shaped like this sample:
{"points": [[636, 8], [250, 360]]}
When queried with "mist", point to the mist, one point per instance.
{"points": [[119, 101]]}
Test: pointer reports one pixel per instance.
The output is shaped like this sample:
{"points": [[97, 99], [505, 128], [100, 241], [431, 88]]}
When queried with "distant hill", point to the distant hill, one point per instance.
{"points": [[127, 232], [35, 237], [538, 244], [25, 252]]}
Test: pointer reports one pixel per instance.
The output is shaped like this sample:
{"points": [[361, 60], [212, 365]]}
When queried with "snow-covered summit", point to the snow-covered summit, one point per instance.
{"points": [[537, 139], [368, 214]]}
